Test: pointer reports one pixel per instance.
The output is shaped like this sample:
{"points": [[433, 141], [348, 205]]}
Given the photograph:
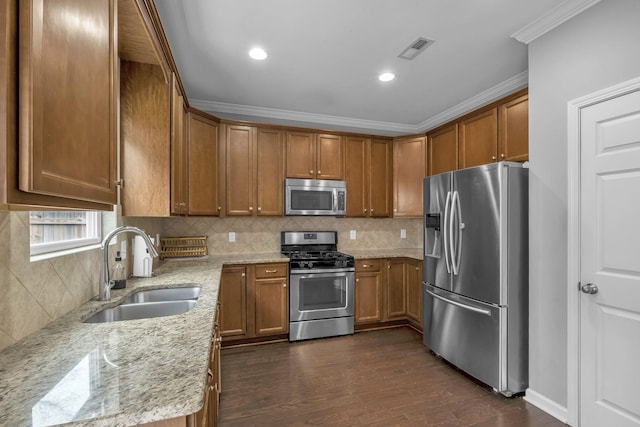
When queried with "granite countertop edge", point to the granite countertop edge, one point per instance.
{"points": [[161, 361]]}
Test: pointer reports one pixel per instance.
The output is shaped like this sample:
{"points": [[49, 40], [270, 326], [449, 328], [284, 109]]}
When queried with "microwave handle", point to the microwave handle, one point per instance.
{"points": [[335, 200]]}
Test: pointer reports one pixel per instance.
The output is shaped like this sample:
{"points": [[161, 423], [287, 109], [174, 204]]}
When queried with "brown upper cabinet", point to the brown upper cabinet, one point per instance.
{"points": [[314, 156], [513, 130], [144, 140], [442, 152], [64, 152], [202, 165], [178, 151], [254, 163], [368, 177], [409, 170], [479, 139], [498, 132]]}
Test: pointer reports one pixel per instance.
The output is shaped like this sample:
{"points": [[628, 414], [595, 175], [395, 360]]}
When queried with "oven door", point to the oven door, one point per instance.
{"points": [[320, 295]]}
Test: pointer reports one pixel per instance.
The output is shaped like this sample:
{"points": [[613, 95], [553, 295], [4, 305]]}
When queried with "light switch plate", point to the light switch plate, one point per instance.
{"points": [[232, 236], [352, 234], [403, 233]]}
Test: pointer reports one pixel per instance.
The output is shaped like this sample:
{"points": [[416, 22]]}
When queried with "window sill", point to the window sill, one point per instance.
{"points": [[55, 254]]}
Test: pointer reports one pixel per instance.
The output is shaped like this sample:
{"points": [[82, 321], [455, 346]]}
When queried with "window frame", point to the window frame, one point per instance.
{"points": [[94, 223]]}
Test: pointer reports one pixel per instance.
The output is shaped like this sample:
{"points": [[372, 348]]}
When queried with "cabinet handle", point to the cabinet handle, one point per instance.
{"points": [[493, 157], [271, 271], [367, 265], [502, 156]]}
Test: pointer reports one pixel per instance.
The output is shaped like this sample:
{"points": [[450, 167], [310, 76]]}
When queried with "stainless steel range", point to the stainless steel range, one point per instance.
{"points": [[321, 285]]}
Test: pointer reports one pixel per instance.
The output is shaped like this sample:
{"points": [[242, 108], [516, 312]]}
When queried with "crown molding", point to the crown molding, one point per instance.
{"points": [[550, 20], [498, 91], [519, 81], [297, 116]]}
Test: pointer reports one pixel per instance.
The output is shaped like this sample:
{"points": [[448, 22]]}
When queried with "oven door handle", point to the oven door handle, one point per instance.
{"points": [[321, 272]]}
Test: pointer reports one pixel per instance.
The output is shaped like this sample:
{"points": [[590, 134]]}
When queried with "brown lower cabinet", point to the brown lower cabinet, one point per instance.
{"points": [[388, 290], [255, 301]]}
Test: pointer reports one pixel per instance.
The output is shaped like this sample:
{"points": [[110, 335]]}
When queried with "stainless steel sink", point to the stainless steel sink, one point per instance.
{"points": [[167, 294], [149, 303], [142, 311]]}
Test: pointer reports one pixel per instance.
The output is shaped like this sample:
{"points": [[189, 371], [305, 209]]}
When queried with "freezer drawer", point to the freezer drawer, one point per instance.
{"points": [[467, 333]]}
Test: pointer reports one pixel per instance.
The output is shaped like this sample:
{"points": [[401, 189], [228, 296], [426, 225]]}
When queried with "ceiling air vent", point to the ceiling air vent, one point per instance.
{"points": [[415, 48]]}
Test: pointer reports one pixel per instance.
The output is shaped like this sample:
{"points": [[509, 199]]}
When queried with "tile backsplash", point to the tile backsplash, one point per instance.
{"points": [[263, 234], [33, 294]]}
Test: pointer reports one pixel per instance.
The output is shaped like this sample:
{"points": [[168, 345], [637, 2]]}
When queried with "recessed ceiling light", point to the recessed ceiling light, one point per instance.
{"points": [[257, 53], [386, 77]]}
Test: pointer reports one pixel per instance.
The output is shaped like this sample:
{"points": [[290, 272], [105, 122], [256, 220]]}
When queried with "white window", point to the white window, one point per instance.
{"points": [[54, 231]]}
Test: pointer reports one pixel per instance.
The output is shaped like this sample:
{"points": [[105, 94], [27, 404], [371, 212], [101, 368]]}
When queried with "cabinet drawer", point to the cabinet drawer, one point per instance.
{"points": [[368, 265], [265, 271]]}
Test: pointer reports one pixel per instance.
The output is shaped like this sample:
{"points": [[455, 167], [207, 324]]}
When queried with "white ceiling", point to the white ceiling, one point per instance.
{"points": [[325, 56]]}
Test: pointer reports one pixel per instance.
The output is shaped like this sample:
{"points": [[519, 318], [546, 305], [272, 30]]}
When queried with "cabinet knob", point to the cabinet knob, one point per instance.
{"points": [[311, 172], [219, 208], [364, 211], [371, 210], [502, 156], [319, 172], [493, 157], [284, 285], [259, 209], [395, 209], [357, 280], [250, 208]]}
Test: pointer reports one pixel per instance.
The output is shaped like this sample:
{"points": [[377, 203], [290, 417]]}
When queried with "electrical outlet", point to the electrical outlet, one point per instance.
{"points": [[232, 236], [403, 233], [352, 234]]}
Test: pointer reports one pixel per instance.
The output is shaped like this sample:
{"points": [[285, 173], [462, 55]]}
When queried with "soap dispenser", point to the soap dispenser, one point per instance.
{"points": [[118, 274]]}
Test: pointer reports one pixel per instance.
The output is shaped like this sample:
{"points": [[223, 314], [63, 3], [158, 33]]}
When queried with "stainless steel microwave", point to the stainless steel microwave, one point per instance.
{"points": [[315, 197]]}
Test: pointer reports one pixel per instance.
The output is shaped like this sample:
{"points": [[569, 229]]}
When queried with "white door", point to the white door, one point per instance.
{"points": [[610, 263]]}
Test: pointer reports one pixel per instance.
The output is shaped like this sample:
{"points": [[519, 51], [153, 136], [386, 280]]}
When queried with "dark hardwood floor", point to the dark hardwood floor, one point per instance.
{"points": [[377, 378]]}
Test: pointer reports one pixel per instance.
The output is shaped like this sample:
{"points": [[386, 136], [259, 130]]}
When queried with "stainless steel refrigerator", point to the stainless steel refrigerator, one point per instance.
{"points": [[476, 272]]}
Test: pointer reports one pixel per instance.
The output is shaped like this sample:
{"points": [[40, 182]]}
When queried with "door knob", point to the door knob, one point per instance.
{"points": [[589, 288]]}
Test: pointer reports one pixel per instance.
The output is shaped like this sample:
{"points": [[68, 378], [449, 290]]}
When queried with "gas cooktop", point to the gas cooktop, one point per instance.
{"points": [[314, 250]]}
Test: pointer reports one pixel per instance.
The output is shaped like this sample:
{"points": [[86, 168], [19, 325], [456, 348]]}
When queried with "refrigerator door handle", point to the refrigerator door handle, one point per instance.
{"points": [[452, 248], [458, 304], [457, 251], [445, 234]]}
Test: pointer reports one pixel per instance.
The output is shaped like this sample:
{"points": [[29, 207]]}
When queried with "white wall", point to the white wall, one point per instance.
{"points": [[596, 49]]}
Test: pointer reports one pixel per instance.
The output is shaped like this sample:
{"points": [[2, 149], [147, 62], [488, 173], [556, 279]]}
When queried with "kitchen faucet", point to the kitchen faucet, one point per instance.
{"points": [[105, 281]]}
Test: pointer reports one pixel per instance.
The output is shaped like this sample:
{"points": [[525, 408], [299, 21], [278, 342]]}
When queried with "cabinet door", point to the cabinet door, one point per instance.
{"points": [[443, 150], [145, 151], [396, 289], [178, 152], [68, 99], [513, 124], [272, 306], [357, 177], [409, 170], [380, 176], [301, 155], [479, 139], [329, 157], [270, 172], [202, 169], [239, 166], [368, 297], [233, 299], [414, 290]]}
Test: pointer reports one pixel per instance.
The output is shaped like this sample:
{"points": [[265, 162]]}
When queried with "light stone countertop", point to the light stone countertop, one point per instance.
{"points": [[414, 253], [120, 373]]}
